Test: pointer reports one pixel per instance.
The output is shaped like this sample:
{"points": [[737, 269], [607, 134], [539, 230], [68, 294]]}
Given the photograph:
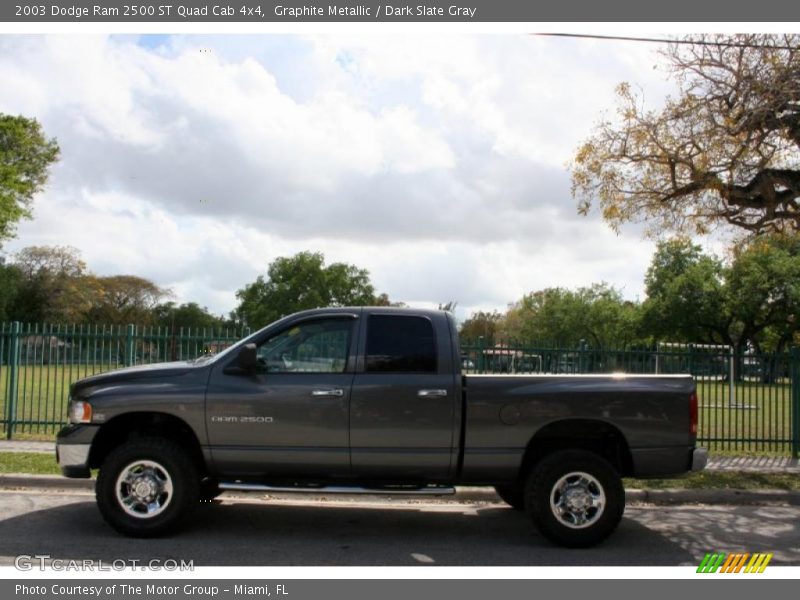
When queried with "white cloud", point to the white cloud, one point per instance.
{"points": [[435, 161]]}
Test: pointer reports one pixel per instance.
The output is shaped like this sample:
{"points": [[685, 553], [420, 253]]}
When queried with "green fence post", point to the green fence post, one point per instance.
{"points": [[583, 361], [130, 345], [13, 379], [794, 370]]}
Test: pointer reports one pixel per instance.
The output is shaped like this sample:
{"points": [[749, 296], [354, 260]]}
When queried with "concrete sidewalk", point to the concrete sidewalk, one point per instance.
{"points": [[759, 464], [26, 446]]}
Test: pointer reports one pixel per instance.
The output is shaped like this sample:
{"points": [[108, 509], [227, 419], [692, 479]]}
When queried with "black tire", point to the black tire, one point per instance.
{"points": [[512, 494], [209, 490], [586, 510], [161, 466]]}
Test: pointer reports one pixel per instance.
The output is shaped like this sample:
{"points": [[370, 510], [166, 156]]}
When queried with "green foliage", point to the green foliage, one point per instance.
{"points": [[764, 290], [686, 296], [53, 285], [597, 314], [25, 158], [482, 324], [50, 284], [187, 315], [755, 300], [10, 282], [301, 282], [123, 299]]}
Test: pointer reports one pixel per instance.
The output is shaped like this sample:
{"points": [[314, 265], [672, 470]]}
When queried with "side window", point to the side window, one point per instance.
{"points": [[311, 347], [400, 344]]}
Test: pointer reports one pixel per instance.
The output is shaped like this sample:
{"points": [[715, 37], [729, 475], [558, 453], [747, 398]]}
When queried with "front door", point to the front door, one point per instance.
{"points": [[289, 416]]}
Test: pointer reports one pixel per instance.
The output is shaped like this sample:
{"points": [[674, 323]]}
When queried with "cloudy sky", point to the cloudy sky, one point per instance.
{"points": [[437, 162]]}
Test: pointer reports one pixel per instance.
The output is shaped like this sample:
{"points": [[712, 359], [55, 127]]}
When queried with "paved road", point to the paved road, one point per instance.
{"points": [[243, 531]]}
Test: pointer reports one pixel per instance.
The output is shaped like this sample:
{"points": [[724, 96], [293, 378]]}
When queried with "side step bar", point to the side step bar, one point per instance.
{"points": [[406, 491]]}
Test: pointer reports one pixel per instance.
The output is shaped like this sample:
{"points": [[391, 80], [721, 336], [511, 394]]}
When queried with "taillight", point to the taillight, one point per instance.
{"points": [[693, 413]]}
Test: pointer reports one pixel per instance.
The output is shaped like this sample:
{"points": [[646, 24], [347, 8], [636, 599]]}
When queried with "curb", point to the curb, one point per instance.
{"points": [[22, 480], [713, 496], [664, 497]]}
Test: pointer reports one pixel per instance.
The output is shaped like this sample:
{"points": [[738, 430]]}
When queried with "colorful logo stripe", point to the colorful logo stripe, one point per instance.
{"points": [[734, 563]]}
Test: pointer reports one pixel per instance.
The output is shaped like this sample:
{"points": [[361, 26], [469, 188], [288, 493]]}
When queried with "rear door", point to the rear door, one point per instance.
{"points": [[403, 404]]}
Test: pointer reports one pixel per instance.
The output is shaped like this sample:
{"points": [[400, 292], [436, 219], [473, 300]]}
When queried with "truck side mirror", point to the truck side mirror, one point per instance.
{"points": [[247, 357]]}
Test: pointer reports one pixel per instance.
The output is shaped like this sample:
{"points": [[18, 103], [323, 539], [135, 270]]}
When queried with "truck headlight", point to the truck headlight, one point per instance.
{"points": [[80, 412]]}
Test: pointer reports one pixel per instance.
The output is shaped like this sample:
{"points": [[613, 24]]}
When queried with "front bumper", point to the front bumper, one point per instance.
{"points": [[74, 460], [73, 446], [699, 459]]}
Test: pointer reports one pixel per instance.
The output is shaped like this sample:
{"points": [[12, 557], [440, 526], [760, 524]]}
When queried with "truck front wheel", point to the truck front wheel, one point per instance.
{"points": [[147, 487], [575, 498]]}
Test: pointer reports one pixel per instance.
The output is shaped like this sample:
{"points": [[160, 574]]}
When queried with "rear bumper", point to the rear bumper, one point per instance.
{"points": [[667, 462]]}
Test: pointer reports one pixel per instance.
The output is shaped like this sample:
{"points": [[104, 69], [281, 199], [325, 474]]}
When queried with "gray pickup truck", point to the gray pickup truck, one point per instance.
{"points": [[372, 400]]}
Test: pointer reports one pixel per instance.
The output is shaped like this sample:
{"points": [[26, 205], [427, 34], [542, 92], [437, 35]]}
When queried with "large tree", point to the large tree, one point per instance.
{"points": [[764, 291], [724, 151], [481, 324], [687, 298], [300, 282], [52, 285], [752, 301], [25, 158], [124, 299]]}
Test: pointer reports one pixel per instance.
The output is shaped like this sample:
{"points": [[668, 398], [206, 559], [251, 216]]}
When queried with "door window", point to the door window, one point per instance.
{"points": [[400, 344], [311, 347]]}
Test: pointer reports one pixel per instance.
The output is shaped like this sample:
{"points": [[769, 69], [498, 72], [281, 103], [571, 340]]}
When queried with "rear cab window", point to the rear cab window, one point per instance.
{"points": [[400, 344]]}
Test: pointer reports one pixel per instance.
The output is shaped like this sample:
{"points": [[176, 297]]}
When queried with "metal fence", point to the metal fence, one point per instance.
{"points": [[39, 362], [747, 402]]}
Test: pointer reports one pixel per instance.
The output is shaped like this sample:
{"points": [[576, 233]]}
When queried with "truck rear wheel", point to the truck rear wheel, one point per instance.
{"points": [[575, 498], [147, 487], [512, 494]]}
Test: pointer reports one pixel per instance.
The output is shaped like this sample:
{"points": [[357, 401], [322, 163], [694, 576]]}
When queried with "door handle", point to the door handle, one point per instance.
{"points": [[321, 393], [432, 393]]}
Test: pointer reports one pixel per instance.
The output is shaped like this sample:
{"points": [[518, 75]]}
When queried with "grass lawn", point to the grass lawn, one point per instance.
{"points": [[721, 480], [35, 463], [755, 411], [42, 393]]}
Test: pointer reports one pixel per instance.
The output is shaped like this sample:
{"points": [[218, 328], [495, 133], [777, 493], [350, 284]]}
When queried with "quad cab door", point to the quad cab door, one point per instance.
{"points": [[288, 417], [403, 407]]}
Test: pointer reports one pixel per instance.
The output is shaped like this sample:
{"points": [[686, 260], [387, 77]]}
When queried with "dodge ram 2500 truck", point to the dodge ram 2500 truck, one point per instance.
{"points": [[372, 400]]}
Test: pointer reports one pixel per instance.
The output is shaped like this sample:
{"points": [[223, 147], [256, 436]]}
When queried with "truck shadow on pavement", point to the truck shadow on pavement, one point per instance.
{"points": [[242, 532]]}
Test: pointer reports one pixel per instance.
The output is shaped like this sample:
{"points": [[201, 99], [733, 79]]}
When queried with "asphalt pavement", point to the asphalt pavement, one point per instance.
{"points": [[58, 517], [243, 531]]}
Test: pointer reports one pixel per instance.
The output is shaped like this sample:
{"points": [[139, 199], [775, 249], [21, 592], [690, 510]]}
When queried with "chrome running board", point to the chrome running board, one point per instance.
{"points": [[333, 489]]}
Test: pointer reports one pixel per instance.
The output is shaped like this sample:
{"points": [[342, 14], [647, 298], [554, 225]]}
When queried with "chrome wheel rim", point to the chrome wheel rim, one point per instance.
{"points": [[577, 500], [144, 489]]}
